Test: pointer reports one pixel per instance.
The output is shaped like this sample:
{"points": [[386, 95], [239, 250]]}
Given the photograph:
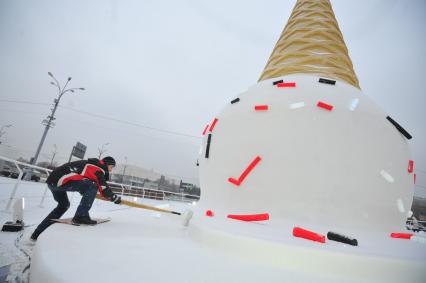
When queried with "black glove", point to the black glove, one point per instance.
{"points": [[107, 193], [116, 199]]}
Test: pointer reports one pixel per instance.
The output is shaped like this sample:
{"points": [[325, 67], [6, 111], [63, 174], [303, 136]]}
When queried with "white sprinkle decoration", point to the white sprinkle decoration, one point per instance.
{"points": [[400, 205], [297, 105], [354, 104], [387, 176]]}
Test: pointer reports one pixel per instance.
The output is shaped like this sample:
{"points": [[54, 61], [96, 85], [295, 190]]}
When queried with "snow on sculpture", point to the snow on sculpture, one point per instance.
{"points": [[304, 144]]}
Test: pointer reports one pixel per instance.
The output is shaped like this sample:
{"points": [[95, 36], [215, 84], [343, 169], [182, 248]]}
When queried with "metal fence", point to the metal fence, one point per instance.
{"points": [[122, 189]]}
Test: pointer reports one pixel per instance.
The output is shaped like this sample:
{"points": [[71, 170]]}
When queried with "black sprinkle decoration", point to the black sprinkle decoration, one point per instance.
{"points": [[341, 238], [326, 81], [399, 128], [277, 82], [209, 138], [235, 100]]}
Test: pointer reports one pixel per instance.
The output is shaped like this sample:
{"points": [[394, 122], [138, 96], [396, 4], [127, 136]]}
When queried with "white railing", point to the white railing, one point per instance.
{"points": [[126, 190], [24, 165], [416, 225], [145, 192]]}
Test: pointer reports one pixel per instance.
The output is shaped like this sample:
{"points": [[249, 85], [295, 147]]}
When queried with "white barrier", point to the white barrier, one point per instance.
{"points": [[21, 173], [145, 192]]}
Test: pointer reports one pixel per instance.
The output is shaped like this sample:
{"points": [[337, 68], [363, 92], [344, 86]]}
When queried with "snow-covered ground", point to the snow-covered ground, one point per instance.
{"points": [[142, 246], [16, 249]]}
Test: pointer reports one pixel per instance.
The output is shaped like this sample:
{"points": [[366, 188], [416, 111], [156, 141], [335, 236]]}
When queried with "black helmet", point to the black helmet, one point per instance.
{"points": [[109, 160]]}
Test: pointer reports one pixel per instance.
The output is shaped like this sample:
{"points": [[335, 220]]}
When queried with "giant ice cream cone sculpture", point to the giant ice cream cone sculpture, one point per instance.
{"points": [[303, 150], [304, 144]]}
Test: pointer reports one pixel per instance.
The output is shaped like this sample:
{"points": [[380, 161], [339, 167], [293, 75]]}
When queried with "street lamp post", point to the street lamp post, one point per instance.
{"points": [[49, 121], [102, 150]]}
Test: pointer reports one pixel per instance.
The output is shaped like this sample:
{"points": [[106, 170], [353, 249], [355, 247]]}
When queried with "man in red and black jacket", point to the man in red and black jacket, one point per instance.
{"points": [[86, 177]]}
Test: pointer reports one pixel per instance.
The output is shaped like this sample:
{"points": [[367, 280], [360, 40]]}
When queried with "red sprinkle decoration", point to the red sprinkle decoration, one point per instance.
{"points": [[414, 178], [261, 107], [233, 181], [286, 85], [246, 172], [250, 217], [401, 235], [209, 213], [325, 105], [205, 129], [213, 124], [410, 166], [309, 235]]}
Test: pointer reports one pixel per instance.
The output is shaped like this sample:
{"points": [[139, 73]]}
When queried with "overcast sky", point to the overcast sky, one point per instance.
{"points": [[173, 65]]}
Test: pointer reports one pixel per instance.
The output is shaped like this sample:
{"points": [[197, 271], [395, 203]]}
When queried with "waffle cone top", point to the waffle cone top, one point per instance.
{"points": [[311, 43]]}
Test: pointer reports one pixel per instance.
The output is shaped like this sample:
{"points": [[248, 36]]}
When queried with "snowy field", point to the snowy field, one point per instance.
{"points": [[143, 246]]}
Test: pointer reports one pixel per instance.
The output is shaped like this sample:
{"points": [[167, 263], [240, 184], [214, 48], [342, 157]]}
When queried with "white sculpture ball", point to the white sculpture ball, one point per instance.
{"points": [[344, 168]]}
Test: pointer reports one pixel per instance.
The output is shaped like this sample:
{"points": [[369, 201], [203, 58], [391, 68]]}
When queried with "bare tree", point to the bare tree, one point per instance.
{"points": [[102, 150]]}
